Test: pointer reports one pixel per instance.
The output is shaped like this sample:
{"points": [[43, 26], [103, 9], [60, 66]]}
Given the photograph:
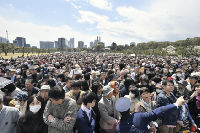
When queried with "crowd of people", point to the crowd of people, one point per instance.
{"points": [[99, 93]]}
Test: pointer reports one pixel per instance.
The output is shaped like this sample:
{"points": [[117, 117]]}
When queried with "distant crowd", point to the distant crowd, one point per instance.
{"points": [[99, 93]]}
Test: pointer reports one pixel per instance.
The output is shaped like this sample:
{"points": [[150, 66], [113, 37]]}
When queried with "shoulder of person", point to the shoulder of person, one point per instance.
{"points": [[11, 109]]}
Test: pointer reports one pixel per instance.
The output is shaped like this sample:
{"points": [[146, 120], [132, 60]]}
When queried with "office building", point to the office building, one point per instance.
{"points": [[20, 41], [71, 43], [80, 44], [46, 44]]}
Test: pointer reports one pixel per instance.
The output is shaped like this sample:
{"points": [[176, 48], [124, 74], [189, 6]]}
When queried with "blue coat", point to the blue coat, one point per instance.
{"points": [[83, 125], [137, 122], [163, 100], [188, 115]]}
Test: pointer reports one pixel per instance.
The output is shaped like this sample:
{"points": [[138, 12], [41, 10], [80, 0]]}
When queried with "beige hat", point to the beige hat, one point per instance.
{"points": [[107, 90], [45, 87]]}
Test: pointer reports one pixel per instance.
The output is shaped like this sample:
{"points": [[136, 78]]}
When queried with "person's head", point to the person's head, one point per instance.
{"points": [[193, 79], [12, 72], [1, 101], [103, 75], [35, 104], [96, 88], [168, 85], [89, 99], [144, 94], [182, 84], [165, 71], [197, 88], [57, 95], [107, 92], [33, 70], [44, 92], [76, 87], [21, 98], [68, 81], [29, 84]]}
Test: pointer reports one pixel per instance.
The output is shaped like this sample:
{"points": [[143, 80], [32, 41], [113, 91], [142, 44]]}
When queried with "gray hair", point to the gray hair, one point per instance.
{"points": [[1, 98]]}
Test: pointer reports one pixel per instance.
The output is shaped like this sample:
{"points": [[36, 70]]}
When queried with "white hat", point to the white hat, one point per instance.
{"points": [[45, 87], [122, 104]]}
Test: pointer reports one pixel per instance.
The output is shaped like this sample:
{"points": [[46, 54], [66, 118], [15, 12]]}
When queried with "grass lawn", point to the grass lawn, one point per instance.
{"points": [[18, 54]]}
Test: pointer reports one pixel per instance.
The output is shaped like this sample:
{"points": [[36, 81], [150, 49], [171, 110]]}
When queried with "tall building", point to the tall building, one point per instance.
{"points": [[80, 44], [71, 43], [62, 43], [20, 41], [27, 46], [85, 46], [46, 44], [56, 44], [3, 40], [91, 44]]}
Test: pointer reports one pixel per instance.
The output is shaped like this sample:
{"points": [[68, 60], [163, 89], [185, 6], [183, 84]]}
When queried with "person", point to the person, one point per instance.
{"points": [[146, 105], [44, 93], [137, 122], [97, 89], [8, 90], [20, 101], [9, 117], [133, 96], [185, 120], [29, 87], [76, 93], [194, 105], [109, 116], [32, 121], [67, 86], [60, 112], [86, 117], [164, 98]]}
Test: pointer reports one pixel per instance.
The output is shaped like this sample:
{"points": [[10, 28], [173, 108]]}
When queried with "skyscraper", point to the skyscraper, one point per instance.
{"points": [[91, 44], [46, 44], [56, 44], [62, 43], [20, 41], [3, 40], [71, 43], [80, 44]]}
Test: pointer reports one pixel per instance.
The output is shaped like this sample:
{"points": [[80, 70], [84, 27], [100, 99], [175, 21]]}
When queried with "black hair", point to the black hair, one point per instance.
{"points": [[57, 93], [143, 89], [89, 97], [128, 82], [95, 87], [30, 80], [76, 84], [167, 81], [67, 79], [84, 86], [62, 77], [51, 82]]}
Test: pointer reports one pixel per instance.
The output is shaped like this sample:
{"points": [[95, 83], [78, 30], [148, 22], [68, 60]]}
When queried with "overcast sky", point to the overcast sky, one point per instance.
{"points": [[120, 21]]}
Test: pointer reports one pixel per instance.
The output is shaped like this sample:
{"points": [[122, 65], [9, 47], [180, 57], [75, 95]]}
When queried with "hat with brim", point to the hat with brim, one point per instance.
{"points": [[4, 82], [45, 87], [122, 104], [107, 90], [183, 82], [21, 96]]}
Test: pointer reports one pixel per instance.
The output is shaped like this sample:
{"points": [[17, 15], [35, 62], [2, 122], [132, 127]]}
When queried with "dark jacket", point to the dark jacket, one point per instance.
{"points": [[188, 115], [33, 123], [194, 111], [163, 100], [83, 125], [137, 122]]}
